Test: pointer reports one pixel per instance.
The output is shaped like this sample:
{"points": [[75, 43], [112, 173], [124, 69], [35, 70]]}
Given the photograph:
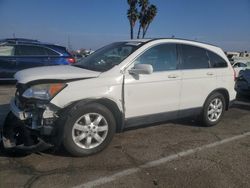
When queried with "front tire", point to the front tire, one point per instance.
{"points": [[213, 110], [88, 129]]}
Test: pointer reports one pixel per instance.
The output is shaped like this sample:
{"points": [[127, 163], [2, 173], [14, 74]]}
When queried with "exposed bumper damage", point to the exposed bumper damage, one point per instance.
{"points": [[30, 126]]}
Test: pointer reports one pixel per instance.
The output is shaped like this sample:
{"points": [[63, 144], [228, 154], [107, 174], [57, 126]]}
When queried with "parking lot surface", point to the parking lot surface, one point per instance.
{"points": [[173, 154]]}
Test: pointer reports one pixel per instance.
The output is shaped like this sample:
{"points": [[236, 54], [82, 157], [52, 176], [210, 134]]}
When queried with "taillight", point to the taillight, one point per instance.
{"points": [[71, 60], [234, 75]]}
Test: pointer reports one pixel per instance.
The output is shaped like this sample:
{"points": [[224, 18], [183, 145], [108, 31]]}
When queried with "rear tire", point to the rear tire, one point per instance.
{"points": [[88, 129], [213, 110]]}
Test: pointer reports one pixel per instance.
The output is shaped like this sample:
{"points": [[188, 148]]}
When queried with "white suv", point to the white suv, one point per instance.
{"points": [[124, 84]]}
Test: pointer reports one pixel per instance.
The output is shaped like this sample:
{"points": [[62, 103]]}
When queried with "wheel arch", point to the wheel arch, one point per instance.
{"points": [[222, 91], [108, 103]]}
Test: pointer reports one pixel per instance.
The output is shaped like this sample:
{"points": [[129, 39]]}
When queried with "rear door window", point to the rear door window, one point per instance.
{"points": [[6, 50], [26, 50], [216, 61], [193, 57]]}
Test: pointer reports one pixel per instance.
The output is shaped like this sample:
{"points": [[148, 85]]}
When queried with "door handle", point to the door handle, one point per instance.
{"points": [[172, 76], [12, 61], [210, 73]]}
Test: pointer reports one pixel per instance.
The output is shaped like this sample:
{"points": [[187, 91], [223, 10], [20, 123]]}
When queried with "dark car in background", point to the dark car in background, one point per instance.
{"points": [[17, 54], [243, 83]]}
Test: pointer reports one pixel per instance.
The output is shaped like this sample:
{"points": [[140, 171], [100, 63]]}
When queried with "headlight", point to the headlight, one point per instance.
{"points": [[44, 91]]}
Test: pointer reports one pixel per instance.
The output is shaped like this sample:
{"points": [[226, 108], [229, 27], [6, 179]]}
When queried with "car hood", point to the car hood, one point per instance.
{"points": [[60, 72]]}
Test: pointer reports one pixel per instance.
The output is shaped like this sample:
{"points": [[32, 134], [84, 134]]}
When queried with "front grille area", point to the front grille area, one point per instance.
{"points": [[34, 107], [21, 102], [20, 89]]}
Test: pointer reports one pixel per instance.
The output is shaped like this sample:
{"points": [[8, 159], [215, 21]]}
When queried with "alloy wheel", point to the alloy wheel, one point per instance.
{"points": [[215, 109], [90, 130]]}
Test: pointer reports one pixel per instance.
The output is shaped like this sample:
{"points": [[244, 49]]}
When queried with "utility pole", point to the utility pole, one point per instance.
{"points": [[69, 44]]}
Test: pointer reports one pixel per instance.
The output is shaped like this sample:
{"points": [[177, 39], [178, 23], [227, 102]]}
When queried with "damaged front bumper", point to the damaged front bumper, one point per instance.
{"points": [[22, 115], [40, 117], [37, 122]]}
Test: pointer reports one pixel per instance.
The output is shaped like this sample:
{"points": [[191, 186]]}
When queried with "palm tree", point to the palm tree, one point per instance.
{"points": [[146, 16], [149, 17], [144, 5], [132, 15]]}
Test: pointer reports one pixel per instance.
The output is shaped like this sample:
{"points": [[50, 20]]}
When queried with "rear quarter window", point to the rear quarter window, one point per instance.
{"points": [[6, 50], [216, 61]]}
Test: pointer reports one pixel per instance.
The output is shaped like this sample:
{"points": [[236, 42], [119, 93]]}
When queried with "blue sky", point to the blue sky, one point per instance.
{"points": [[94, 23]]}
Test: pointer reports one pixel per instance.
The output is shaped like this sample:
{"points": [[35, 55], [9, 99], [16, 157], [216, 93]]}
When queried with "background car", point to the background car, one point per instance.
{"points": [[78, 57], [243, 83], [17, 54], [239, 66]]}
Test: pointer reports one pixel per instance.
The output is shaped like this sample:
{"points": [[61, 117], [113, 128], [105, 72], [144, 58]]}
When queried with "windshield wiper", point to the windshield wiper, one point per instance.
{"points": [[90, 68], [81, 66]]}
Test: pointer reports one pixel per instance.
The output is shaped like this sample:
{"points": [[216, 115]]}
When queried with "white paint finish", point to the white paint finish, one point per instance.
{"points": [[196, 85], [158, 162], [61, 72], [129, 60], [225, 79], [109, 86], [151, 94]]}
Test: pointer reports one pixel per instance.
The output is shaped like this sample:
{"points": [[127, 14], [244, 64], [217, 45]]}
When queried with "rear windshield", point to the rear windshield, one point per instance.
{"points": [[60, 49]]}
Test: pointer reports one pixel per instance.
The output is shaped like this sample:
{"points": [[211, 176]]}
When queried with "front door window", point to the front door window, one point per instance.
{"points": [[162, 57]]}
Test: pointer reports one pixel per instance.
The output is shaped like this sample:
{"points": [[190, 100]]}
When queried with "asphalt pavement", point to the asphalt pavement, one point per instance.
{"points": [[173, 154]]}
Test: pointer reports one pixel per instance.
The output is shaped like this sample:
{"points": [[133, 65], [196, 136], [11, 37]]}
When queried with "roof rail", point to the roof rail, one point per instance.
{"points": [[152, 39], [19, 40]]}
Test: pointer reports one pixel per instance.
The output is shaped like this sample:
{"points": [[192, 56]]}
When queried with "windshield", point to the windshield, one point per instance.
{"points": [[107, 57]]}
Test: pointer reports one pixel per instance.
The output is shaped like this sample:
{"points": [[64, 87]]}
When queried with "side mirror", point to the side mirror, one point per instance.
{"points": [[141, 69]]}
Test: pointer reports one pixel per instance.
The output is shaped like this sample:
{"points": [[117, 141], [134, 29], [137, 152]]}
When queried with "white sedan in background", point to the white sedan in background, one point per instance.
{"points": [[238, 66]]}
